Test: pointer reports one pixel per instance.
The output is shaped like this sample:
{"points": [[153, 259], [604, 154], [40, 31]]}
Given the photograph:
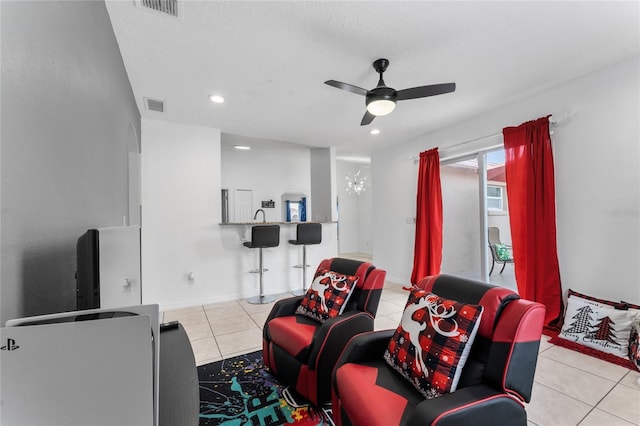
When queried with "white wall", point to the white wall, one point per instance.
{"points": [[365, 215], [69, 119], [323, 184], [269, 171], [348, 212], [181, 182], [354, 211], [180, 210], [597, 181]]}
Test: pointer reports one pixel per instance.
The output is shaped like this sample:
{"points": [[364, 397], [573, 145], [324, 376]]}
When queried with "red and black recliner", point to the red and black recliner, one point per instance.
{"points": [[301, 351], [495, 382]]}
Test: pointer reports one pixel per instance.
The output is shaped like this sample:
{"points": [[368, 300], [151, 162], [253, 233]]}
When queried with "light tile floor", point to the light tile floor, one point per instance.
{"points": [[570, 388]]}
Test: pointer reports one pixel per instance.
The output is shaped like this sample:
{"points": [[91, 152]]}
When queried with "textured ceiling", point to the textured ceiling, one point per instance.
{"points": [[270, 59]]}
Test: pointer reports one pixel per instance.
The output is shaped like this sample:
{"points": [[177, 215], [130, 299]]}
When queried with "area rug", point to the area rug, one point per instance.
{"points": [[241, 391]]}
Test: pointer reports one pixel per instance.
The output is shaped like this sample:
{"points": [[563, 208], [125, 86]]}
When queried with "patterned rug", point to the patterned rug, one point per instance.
{"points": [[241, 391]]}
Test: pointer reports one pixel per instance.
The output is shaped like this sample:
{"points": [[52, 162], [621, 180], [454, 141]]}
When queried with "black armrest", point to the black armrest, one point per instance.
{"points": [[364, 347], [338, 331], [330, 340], [285, 307], [473, 405]]}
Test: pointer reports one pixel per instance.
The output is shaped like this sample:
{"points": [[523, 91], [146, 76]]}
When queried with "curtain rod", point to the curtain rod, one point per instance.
{"points": [[552, 121]]}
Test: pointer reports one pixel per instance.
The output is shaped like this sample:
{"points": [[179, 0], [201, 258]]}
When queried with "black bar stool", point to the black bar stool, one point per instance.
{"points": [[306, 234], [262, 236]]}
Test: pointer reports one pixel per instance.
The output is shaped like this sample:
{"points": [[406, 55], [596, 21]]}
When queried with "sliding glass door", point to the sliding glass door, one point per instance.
{"points": [[461, 222], [500, 258], [474, 202]]}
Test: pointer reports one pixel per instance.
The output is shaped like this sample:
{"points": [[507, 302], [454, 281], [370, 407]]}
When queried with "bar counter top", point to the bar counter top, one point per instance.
{"points": [[270, 223]]}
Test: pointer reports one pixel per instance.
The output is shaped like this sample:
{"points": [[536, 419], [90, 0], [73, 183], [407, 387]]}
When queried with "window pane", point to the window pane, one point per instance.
{"points": [[494, 191], [494, 203]]}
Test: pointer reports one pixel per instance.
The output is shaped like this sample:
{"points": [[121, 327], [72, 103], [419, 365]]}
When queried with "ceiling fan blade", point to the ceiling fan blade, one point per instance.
{"points": [[348, 87], [367, 118], [424, 91]]}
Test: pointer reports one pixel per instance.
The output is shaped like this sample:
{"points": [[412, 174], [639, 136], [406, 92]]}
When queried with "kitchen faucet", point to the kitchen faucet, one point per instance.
{"points": [[255, 216]]}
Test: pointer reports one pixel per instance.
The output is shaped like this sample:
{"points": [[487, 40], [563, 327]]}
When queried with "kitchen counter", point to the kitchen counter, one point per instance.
{"points": [[269, 223]]}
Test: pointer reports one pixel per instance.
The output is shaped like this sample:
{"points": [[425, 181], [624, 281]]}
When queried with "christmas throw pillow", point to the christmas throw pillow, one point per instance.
{"points": [[634, 344], [432, 343], [596, 301], [597, 325], [634, 309], [328, 295]]}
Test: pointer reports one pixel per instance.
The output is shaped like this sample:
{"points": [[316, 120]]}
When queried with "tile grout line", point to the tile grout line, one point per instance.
{"points": [[211, 329], [578, 368], [602, 399], [571, 397], [627, 386], [615, 383]]}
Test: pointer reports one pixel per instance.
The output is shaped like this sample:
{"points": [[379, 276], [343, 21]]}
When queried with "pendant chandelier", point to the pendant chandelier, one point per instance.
{"points": [[356, 183]]}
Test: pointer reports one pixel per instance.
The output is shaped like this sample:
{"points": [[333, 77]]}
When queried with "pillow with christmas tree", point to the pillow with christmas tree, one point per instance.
{"points": [[634, 345], [597, 324]]}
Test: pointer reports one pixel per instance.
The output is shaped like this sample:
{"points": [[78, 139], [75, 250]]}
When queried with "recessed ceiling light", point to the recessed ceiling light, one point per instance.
{"points": [[242, 147], [375, 131], [216, 99]]}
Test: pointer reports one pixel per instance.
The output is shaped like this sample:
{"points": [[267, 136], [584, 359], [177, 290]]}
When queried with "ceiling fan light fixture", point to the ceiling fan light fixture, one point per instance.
{"points": [[381, 107], [381, 100]]}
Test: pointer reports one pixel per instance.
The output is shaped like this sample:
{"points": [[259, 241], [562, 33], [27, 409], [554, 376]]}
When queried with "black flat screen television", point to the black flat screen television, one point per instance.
{"points": [[88, 271]]}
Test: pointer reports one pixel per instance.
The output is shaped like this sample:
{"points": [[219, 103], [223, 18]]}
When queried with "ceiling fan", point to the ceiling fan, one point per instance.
{"points": [[382, 99]]}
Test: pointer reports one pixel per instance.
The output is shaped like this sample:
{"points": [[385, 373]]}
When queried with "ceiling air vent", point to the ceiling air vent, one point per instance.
{"points": [[170, 7], [154, 105]]}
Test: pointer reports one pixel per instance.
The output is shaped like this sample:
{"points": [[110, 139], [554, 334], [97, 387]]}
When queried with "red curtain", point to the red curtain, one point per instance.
{"points": [[532, 214], [427, 257]]}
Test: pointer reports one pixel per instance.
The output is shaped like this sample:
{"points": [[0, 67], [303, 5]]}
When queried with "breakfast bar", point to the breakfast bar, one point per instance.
{"points": [[281, 262]]}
